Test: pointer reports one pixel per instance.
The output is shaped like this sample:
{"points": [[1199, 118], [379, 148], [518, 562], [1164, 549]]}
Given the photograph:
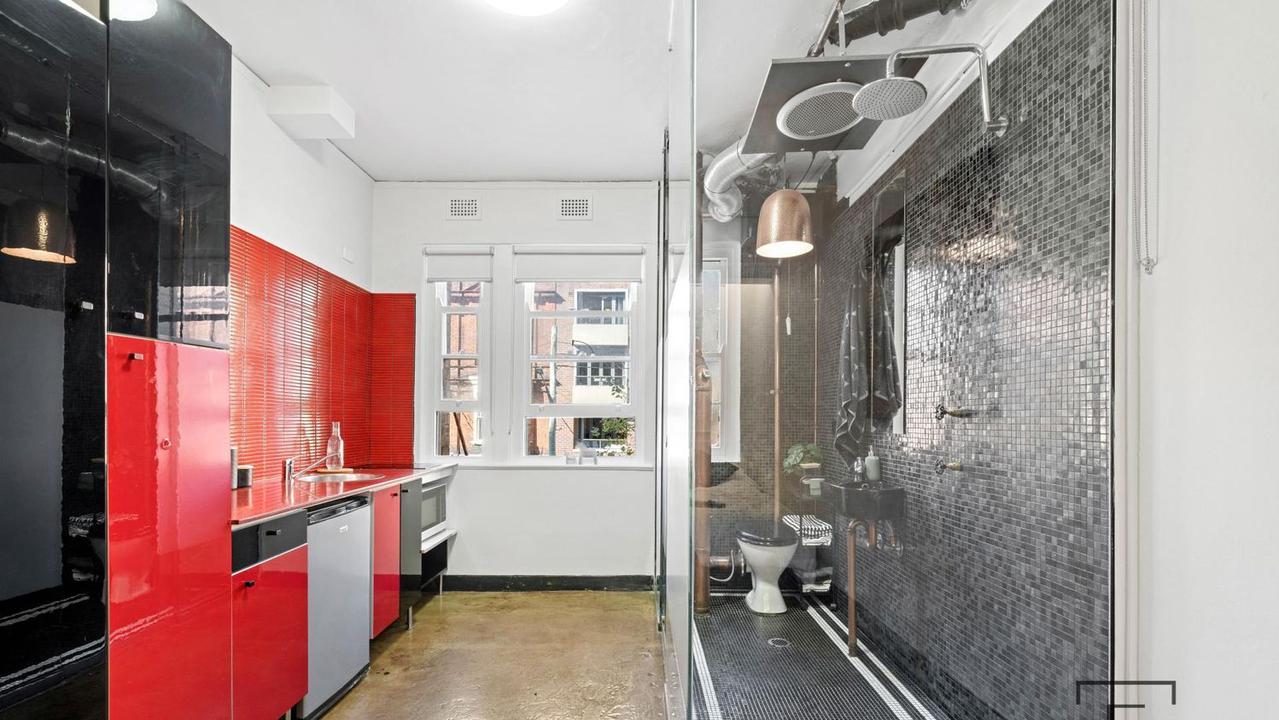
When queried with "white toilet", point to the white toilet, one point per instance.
{"points": [[768, 550]]}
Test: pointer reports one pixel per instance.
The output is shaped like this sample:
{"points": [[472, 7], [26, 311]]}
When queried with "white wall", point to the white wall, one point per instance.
{"points": [[304, 196], [553, 521], [520, 520], [407, 216], [1210, 370]]}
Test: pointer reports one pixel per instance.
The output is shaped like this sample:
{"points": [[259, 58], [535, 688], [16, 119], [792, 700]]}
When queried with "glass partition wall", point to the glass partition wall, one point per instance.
{"points": [[890, 344]]}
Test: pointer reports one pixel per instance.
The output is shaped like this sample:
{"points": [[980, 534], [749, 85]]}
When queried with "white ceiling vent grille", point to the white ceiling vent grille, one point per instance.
{"points": [[576, 208], [464, 209]]}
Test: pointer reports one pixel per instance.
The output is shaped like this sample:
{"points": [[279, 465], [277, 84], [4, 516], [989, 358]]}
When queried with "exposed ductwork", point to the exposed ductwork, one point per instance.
{"points": [[723, 198], [881, 17]]}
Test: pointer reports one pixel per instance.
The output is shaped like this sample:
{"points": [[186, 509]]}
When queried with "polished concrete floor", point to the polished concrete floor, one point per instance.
{"points": [[517, 656]]}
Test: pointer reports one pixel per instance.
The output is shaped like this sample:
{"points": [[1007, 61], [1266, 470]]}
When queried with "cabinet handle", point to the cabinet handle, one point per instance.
{"points": [[395, 494], [250, 583], [272, 533], [137, 356]]}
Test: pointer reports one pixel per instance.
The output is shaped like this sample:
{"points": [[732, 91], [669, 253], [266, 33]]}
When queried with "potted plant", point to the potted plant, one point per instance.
{"points": [[802, 458]]}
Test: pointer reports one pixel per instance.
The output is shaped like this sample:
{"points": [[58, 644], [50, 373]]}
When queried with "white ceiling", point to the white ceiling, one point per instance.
{"points": [[736, 42], [453, 90]]}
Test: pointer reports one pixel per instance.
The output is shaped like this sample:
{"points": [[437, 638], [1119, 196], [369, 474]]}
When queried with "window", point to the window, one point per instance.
{"points": [[601, 300], [720, 344], [531, 354], [579, 368], [458, 420]]}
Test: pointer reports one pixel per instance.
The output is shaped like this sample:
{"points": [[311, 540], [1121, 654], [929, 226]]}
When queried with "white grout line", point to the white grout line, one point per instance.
{"points": [[892, 677], [704, 678], [878, 686]]}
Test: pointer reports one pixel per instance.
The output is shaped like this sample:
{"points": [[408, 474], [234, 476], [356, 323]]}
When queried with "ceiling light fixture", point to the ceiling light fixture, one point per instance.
{"points": [[134, 10], [528, 8]]}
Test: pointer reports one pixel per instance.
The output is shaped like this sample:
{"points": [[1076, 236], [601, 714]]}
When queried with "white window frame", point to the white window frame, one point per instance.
{"points": [[504, 393], [728, 257], [636, 392], [432, 350]]}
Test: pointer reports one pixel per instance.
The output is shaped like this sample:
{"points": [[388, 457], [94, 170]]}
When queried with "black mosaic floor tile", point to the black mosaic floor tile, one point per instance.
{"points": [[788, 666]]}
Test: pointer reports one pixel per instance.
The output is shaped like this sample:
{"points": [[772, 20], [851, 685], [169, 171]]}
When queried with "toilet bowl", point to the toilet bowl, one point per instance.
{"points": [[768, 550]]}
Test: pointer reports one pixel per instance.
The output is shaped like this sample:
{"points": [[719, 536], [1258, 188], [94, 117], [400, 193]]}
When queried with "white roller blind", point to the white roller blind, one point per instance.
{"points": [[623, 263], [459, 262]]}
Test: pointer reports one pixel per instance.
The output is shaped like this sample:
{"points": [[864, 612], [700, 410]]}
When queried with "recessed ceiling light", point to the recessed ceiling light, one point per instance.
{"points": [[528, 8], [134, 10]]}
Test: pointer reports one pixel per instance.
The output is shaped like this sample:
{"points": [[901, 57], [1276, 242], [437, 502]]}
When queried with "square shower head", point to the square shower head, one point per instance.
{"points": [[815, 109]]}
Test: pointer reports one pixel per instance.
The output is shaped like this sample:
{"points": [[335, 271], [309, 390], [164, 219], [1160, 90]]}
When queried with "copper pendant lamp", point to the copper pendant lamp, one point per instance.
{"points": [[785, 226]]}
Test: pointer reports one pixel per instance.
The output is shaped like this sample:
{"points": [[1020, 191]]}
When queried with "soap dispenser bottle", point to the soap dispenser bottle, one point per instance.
{"points": [[859, 472], [872, 466], [336, 449]]}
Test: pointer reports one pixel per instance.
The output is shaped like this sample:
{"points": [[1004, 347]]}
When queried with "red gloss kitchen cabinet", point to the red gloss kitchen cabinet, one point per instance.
{"points": [[168, 530], [386, 559], [270, 622]]}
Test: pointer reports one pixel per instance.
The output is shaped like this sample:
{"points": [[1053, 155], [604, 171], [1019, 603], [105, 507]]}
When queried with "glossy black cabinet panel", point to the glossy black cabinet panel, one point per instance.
{"points": [[170, 133], [52, 415]]}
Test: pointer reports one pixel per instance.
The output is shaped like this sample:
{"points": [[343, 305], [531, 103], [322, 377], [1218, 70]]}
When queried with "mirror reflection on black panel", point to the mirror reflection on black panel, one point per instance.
{"points": [[170, 144], [52, 478]]}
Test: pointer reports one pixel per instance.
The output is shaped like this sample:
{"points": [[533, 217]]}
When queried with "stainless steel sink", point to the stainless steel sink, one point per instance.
{"points": [[339, 477]]}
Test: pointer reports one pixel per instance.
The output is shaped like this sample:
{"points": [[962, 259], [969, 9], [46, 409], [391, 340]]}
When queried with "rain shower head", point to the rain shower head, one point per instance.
{"points": [[894, 96], [820, 111], [806, 104], [890, 98]]}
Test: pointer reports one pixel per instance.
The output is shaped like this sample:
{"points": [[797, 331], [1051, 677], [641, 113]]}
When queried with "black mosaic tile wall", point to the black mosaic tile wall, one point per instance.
{"points": [[1001, 598]]}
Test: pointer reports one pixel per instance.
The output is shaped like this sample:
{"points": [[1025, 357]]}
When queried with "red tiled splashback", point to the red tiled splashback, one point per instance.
{"points": [[391, 390], [303, 354]]}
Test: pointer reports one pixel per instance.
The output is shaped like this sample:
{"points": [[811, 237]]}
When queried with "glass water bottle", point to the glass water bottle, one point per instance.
{"points": [[336, 450]]}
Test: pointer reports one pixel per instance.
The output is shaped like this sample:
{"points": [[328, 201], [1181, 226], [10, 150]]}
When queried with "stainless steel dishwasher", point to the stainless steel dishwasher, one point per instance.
{"points": [[339, 578]]}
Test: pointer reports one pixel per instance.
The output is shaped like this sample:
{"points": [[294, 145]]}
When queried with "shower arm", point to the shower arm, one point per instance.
{"points": [[997, 125]]}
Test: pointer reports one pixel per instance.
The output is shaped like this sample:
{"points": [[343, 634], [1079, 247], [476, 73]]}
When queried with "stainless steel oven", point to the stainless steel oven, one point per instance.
{"points": [[433, 508]]}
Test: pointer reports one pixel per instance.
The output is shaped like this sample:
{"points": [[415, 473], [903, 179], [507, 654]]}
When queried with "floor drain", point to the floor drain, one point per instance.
{"points": [[779, 642]]}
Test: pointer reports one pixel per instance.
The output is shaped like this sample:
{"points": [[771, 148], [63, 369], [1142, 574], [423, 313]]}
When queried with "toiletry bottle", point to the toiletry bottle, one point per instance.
{"points": [[872, 466], [859, 472], [336, 449]]}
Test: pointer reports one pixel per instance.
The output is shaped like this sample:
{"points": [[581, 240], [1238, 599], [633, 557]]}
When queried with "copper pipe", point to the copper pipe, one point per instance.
{"points": [[702, 487], [852, 578], [719, 563], [777, 397], [816, 316]]}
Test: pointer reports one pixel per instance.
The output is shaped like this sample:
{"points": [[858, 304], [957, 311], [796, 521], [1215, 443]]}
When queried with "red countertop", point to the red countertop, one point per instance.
{"points": [[269, 498]]}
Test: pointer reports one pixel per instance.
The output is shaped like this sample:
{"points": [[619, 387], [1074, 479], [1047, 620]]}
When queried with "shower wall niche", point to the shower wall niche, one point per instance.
{"points": [[1001, 598]]}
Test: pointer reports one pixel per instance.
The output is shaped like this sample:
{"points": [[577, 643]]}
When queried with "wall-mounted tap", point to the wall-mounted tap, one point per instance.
{"points": [[943, 410], [944, 465]]}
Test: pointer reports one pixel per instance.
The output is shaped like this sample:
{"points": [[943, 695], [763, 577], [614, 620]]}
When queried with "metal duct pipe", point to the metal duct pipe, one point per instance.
{"points": [[882, 17], [724, 199], [51, 148]]}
